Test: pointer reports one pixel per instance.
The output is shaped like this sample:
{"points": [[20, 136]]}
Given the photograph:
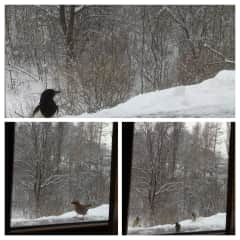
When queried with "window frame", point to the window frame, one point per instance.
{"points": [[109, 227], [127, 149]]}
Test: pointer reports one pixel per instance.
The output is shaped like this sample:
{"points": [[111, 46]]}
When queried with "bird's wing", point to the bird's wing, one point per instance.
{"points": [[36, 110]]}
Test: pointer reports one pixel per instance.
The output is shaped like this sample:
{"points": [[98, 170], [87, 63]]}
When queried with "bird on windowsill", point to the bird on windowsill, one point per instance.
{"points": [[80, 208]]}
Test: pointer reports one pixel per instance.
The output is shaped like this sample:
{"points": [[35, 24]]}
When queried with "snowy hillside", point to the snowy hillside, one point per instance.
{"points": [[215, 222], [94, 214], [214, 97]]}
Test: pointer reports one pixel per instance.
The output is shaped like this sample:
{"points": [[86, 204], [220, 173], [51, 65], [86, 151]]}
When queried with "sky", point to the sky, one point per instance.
{"points": [[106, 136], [221, 147]]}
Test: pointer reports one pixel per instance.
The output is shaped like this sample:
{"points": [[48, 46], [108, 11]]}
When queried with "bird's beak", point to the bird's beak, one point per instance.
{"points": [[56, 92]]}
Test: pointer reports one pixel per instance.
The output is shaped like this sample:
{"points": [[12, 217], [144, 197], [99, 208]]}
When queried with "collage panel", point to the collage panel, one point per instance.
{"points": [[120, 61], [61, 177], [178, 178]]}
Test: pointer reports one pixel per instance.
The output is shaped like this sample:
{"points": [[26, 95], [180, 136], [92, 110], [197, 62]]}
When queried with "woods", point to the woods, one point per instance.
{"points": [[179, 169], [56, 163], [99, 56]]}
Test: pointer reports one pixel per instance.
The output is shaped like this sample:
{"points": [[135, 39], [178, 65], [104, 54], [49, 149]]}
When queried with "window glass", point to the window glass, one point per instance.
{"points": [[61, 173], [179, 177]]}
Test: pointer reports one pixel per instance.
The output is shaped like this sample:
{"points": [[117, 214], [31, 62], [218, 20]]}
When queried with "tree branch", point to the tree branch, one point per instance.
{"points": [[226, 60], [18, 69], [168, 187]]}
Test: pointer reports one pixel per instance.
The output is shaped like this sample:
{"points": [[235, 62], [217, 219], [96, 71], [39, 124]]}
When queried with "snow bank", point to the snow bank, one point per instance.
{"points": [[214, 97], [99, 213], [215, 222], [21, 103], [102, 210]]}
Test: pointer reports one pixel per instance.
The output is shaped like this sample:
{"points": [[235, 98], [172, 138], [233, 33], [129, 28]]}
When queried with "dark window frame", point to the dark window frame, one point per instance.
{"points": [[127, 146], [109, 227]]}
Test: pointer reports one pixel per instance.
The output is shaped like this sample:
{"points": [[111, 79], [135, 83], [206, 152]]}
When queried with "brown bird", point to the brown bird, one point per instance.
{"points": [[80, 208]]}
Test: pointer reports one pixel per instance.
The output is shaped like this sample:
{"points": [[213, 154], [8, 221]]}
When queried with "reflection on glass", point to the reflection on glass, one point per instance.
{"points": [[61, 173], [179, 177]]}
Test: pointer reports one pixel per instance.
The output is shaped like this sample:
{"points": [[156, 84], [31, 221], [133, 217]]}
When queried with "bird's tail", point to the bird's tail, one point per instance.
{"points": [[36, 110]]}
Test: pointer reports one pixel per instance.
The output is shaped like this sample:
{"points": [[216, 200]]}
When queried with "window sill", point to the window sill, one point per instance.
{"points": [[91, 228]]}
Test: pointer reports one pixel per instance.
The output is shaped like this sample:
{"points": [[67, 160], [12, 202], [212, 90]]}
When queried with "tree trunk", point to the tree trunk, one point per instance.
{"points": [[68, 31]]}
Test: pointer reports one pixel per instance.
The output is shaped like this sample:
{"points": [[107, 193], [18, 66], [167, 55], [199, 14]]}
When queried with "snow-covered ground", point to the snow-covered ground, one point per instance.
{"points": [[21, 103], [215, 222], [214, 97], [100, 213]]}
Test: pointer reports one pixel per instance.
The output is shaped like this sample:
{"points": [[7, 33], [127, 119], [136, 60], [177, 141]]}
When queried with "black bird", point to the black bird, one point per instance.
{"points": [[47, 106], [178, 227]]}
